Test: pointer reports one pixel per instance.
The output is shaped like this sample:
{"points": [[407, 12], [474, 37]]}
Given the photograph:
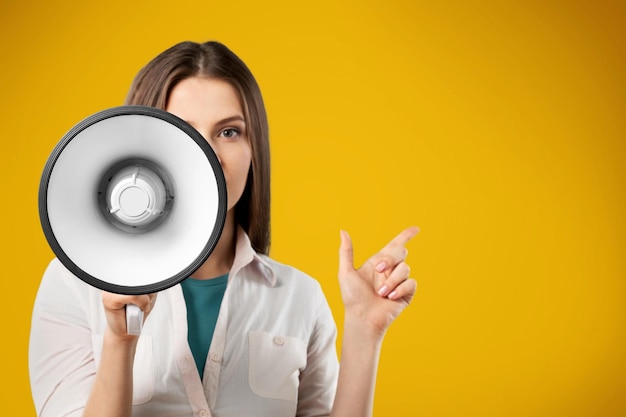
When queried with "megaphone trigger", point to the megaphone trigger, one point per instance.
{"points": [[134, 319]]}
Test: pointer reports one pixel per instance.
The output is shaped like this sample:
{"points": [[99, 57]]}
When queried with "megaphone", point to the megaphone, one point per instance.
{"points": [[132, 200]]}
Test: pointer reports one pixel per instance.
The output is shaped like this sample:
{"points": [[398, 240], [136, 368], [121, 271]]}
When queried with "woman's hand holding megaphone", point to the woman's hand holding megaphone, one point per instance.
{"points": [[115, 310]]}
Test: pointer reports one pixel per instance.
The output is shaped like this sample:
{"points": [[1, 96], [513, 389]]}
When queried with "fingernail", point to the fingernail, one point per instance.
{"points": [[380, 267], [392, 295], [382, 291]]}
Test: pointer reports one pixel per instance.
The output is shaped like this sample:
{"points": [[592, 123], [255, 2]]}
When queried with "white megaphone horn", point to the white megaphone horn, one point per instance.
{"points": [[132, 200]]}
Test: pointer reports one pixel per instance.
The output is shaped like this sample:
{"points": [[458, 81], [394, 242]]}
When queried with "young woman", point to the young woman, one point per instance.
{"points": [[245, 335]]}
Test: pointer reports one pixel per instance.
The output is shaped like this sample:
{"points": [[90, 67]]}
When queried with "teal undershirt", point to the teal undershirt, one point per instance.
{"points": [[203, 299]]}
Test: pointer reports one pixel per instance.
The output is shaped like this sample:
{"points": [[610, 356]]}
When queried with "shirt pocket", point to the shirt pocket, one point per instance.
{"points": [[143, 368], [275, 363]]}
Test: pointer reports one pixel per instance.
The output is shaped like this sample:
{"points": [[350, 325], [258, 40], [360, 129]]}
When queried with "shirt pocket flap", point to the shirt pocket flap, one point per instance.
{"points": [[275, 363]]}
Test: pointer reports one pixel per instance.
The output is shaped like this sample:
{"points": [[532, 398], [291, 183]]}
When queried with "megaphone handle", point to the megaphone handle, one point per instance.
{"points": [[134, 319]]}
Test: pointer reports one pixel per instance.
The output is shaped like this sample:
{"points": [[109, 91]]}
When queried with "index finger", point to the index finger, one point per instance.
{"points": [[404, 237]]}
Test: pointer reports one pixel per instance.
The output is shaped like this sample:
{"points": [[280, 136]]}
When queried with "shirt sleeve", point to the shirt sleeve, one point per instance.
{"points": [[61, 360], [318, 381]]}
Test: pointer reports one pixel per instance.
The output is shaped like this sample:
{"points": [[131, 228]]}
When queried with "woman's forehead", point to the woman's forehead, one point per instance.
{"points": [[207, 99]]}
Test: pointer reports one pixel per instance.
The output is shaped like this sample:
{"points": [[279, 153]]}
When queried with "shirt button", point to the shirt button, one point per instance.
{"points": [[204, 413], [279, 341], [215, 357], [186, 363]]}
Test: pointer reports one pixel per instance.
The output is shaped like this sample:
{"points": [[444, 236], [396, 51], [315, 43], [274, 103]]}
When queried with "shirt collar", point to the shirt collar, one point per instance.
{"points": [[246, 256]]}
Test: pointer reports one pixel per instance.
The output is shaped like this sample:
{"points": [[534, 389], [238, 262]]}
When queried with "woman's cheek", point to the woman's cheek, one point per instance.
{"points": [[235, 184]]}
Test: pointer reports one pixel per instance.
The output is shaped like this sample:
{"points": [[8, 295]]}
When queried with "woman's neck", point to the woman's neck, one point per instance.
{"points": [[222, 257]]}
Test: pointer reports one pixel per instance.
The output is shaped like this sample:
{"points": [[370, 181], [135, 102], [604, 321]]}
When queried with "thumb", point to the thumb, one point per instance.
{"points": [[346, 253]]}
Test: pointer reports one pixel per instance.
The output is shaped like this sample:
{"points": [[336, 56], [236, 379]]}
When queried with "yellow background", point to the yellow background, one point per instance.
{"points": [[497, 127]]}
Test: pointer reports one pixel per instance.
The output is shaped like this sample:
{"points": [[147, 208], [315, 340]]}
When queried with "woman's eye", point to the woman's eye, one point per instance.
{"points": [[229, 133]]}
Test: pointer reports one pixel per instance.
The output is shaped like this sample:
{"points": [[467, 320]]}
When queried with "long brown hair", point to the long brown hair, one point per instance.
{"points": [[152, 87]]}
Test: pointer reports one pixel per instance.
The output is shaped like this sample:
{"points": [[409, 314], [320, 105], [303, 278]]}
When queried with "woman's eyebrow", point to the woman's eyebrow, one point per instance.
{"points": [[230, 119]]}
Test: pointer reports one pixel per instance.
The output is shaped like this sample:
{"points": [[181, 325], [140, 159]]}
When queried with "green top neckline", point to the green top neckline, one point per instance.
{"points": [[211, 282]]}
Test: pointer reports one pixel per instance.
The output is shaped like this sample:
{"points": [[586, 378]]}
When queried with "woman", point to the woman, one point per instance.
{"points": [[245, 335]]}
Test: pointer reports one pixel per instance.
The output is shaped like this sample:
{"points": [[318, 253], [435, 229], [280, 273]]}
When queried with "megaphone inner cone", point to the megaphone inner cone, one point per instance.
{"points": [[133, 201], [137, 195]]}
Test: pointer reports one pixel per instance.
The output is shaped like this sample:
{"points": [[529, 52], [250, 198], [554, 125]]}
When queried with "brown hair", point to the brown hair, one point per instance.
{"points": [[152, 87]]}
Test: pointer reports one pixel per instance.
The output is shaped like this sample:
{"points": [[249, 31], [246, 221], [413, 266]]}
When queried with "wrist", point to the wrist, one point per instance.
{"points": [[357, 327], [120, 341]]}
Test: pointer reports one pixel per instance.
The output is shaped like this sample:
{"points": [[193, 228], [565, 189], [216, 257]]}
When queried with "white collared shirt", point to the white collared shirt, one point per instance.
{"points": [[272, 354]]}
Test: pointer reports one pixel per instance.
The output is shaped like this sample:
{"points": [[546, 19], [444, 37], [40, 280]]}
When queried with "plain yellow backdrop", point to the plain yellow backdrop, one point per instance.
{"points": [[497, 127]]}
